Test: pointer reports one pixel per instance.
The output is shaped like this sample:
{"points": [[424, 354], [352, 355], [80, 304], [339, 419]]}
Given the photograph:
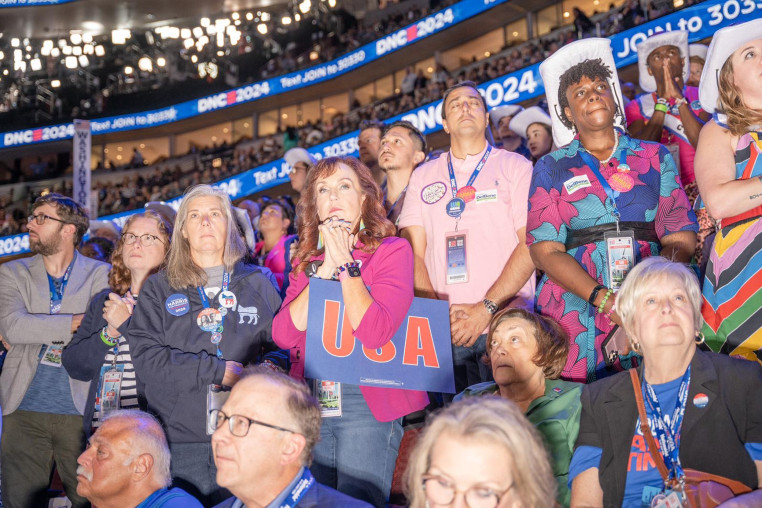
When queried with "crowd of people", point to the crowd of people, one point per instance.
{"points": [[596, 346], [416, 89]]}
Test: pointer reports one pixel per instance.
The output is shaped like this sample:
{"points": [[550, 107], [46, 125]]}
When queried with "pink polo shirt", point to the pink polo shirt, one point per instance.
{"points": [[491, 219]]}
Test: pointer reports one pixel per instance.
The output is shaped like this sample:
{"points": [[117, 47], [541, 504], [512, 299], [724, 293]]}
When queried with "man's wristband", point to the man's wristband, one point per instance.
{"points": [[661, 107], [490, 306], [108, 340]]}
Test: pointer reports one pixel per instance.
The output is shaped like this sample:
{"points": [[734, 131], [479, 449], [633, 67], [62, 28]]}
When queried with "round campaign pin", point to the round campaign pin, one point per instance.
{"points": [[216, 338], [700, 400], [177, 304], [227, 299], [467, 193], [455, 207], [209, 319]]}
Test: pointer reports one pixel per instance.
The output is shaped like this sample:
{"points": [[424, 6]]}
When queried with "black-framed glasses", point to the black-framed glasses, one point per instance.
{"points": [[40, 219], [441, 491], [146, 240], [239, 425]]}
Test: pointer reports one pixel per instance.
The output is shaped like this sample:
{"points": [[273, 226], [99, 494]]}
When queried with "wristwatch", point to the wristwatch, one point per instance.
{"points": [[490, 306], [351, 269]]}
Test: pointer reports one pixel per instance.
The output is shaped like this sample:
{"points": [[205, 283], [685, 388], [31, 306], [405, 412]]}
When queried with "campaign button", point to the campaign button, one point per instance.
{"points": [[177, 304], [455, 207], [700, 400], [467, 193], [209, 319], [227, 299]]}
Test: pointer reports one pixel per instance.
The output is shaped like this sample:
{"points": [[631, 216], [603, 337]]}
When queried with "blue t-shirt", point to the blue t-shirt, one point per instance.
{"points": [[642, 473], [50, 391], [173, 498]]}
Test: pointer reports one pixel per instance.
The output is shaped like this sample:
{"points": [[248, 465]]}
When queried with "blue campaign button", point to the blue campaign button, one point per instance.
{"points": [[455, 207], [177, 304]]}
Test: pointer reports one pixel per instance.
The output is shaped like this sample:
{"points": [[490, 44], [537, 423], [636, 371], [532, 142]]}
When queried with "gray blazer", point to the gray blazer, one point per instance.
{"points": [[26, 322]]}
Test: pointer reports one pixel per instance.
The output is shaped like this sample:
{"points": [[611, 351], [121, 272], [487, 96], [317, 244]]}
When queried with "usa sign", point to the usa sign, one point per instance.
{"points": [[418, 357]]}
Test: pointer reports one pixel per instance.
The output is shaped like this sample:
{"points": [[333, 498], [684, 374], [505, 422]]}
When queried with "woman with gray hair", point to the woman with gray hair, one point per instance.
{"points": [[687, 399], [197, 323], [481, 450]]}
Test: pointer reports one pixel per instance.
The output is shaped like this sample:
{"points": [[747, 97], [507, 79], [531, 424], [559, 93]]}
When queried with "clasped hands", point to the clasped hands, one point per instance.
{"points": [[468, 322], [116, 310], [338, 242], [668, 88]]}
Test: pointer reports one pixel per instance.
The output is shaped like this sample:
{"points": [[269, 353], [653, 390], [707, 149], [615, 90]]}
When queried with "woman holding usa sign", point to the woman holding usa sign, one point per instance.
{"points": [[345, 236]]}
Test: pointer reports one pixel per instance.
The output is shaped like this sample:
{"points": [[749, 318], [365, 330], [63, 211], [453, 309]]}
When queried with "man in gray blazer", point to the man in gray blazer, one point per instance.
{"points": [[42, 301]]}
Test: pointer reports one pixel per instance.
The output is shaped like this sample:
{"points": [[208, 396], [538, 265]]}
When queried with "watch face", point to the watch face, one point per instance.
{"points": [[353, 271]]}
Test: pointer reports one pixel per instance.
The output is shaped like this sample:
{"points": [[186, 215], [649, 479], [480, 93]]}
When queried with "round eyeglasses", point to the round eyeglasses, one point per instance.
{"points": [[146, 240], [441, 492]]}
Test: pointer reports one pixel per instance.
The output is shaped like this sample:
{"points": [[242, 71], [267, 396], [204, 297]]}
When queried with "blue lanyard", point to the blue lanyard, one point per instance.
{"points": [[56, 296], [299, 490], [594, 165], [217, 334], [472, 178], [668, 436]]}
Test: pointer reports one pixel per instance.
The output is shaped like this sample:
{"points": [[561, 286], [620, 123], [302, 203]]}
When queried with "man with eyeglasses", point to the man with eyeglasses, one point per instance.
{"points": [[42, 301], [263, 444]]}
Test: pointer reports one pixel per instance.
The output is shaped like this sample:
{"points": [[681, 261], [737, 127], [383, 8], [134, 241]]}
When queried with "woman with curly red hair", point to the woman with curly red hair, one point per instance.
{"points": [[99, 351], [345, 236]]}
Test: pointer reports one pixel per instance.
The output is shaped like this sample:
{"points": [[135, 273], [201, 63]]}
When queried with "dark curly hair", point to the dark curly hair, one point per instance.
{"points": [[377, 226], [590, 69], [552, 340], [69, 210], [119, 278]]}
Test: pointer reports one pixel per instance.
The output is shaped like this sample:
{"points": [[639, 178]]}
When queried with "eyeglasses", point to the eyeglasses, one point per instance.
{"points": [[238, 425], [41, 218], [440, 491], [146, 240]]}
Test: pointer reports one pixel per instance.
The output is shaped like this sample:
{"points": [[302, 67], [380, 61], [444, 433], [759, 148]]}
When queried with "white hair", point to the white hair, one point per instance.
{"points": [[147, 436]]}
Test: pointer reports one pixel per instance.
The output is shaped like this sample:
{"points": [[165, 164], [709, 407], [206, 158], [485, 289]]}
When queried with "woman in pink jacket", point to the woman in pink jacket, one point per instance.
{"points": [[345, 236]]}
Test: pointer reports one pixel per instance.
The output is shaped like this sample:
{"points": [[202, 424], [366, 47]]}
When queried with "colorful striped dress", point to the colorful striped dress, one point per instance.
{"points": [[732, 303]]}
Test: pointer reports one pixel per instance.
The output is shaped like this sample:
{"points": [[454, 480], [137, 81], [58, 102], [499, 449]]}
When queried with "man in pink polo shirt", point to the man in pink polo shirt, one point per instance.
{"points": [[465, 217]]}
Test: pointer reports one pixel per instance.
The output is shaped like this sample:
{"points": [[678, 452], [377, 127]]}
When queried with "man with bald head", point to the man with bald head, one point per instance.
{"points": [[127, 465], [263, 444]]}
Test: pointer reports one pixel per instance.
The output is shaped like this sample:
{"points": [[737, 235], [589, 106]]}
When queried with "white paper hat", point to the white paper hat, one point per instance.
{"points": [[496, 114], [677, 38], [564, 59], [724, 43], [698, 50], [521, 122], [299, 154]]}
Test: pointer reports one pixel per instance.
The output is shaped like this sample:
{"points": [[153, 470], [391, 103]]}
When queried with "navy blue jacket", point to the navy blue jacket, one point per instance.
{"points": [[176, 360], [318, 496], [85, 354]]}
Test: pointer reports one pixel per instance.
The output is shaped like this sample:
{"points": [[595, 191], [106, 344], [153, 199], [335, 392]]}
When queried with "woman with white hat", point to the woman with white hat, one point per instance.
{"points": [[534, 125], [728, 171], [597, 205]]}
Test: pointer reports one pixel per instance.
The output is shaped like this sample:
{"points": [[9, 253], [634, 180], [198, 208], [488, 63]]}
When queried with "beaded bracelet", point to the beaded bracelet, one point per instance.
{"points": [[679, 102], [661, 107], [107, 339], [602, 306]]}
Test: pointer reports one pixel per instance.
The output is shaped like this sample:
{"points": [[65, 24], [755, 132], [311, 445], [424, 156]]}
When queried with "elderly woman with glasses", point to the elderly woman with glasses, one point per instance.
{"points": [[480, 452], [196, 324], [99, 352]]}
